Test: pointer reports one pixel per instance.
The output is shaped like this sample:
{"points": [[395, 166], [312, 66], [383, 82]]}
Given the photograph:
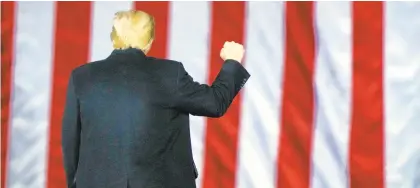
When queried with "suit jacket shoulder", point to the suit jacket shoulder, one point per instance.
{"points": [[163, 73], [167, 66]]}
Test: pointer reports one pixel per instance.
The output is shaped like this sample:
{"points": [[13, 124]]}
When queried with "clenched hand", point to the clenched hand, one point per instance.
{"points": [[232, 50]]}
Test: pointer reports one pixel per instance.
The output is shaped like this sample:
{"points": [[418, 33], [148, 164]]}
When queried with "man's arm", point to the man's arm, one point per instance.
{"points": [[211, 101], [71, 134]]}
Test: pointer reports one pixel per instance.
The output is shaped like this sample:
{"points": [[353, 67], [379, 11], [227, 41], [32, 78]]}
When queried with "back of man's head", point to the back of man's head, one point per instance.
{"points": [[133, 29]]}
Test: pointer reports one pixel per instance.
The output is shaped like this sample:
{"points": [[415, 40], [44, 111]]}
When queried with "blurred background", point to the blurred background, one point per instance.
{"points": [[332, 101]]}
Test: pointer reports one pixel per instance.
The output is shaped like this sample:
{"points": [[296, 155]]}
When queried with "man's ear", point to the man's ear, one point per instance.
{"points": [[146, 49]]}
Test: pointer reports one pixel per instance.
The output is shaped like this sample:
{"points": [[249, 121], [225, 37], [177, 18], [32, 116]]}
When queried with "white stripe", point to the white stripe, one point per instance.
{"points": [[188, 43], [102, 16], [402, 94], [333, 94], [31, 95], [259, 132]]}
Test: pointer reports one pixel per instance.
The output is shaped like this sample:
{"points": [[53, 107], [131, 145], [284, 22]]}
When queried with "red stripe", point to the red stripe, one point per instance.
{"points": [[366, 137], [228, 23], [7, 51], [160, 11], [72, 37], [298, 97]]}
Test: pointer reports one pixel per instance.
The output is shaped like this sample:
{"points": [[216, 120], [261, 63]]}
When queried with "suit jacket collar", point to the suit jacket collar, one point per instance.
{"points": [[129, 52]]}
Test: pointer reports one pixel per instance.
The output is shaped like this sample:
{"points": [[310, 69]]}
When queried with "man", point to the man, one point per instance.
{"points": [[126, 120]]}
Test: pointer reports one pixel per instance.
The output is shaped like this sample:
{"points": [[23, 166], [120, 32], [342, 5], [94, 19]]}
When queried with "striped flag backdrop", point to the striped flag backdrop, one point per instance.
{"points": [[333, 100]]}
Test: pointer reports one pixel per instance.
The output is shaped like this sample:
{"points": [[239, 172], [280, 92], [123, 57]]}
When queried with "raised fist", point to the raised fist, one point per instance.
{"points": [[232, 50]]}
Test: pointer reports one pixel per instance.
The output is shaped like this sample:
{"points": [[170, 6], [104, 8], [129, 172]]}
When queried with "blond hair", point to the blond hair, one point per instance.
{"points": [[133, 28]]}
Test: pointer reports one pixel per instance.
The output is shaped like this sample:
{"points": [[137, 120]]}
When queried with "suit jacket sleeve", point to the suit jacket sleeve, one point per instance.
{"points": [[71, 128], [211, 101]]}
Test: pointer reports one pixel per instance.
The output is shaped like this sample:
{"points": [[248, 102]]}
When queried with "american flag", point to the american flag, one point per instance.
{"points": [[331, 103]]}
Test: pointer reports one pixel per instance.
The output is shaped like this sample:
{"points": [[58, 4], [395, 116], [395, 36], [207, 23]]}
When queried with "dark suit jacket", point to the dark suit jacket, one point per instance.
{"points": [[126, 120]]}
